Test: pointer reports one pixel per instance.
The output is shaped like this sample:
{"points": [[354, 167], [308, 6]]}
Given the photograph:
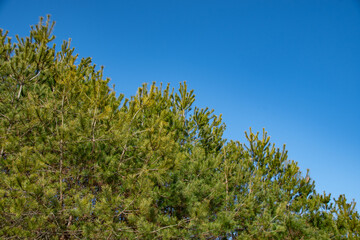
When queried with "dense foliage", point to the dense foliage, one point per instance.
{"points": [[78, 162]]}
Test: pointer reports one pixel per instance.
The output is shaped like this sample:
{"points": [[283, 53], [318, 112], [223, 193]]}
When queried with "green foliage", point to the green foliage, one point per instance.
{"points": [[78, 162]]}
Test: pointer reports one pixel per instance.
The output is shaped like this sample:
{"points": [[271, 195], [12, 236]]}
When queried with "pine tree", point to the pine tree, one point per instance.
{"points": [[78, 162]]}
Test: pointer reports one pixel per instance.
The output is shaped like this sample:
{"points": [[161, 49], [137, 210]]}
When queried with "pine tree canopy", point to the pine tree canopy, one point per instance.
{"points": [[76, 161]]}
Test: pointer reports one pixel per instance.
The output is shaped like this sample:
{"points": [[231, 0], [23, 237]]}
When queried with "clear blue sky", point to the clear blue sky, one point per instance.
{"points": [[291, 67]]}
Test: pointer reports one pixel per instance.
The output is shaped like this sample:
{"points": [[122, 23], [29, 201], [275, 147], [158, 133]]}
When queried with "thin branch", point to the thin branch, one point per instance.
{"points": [[169, 226], [35, 76], [19, 93]]}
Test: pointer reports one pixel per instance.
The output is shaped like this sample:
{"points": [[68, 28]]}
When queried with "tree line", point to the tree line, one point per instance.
{"points": [[77, 161]]}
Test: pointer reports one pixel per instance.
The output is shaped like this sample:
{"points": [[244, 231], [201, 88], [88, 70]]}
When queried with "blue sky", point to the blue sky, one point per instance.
{"points": [[291, 67]]}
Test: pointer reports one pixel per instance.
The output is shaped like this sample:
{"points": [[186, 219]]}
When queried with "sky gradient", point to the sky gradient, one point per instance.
{"points": [[291, 67]]}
